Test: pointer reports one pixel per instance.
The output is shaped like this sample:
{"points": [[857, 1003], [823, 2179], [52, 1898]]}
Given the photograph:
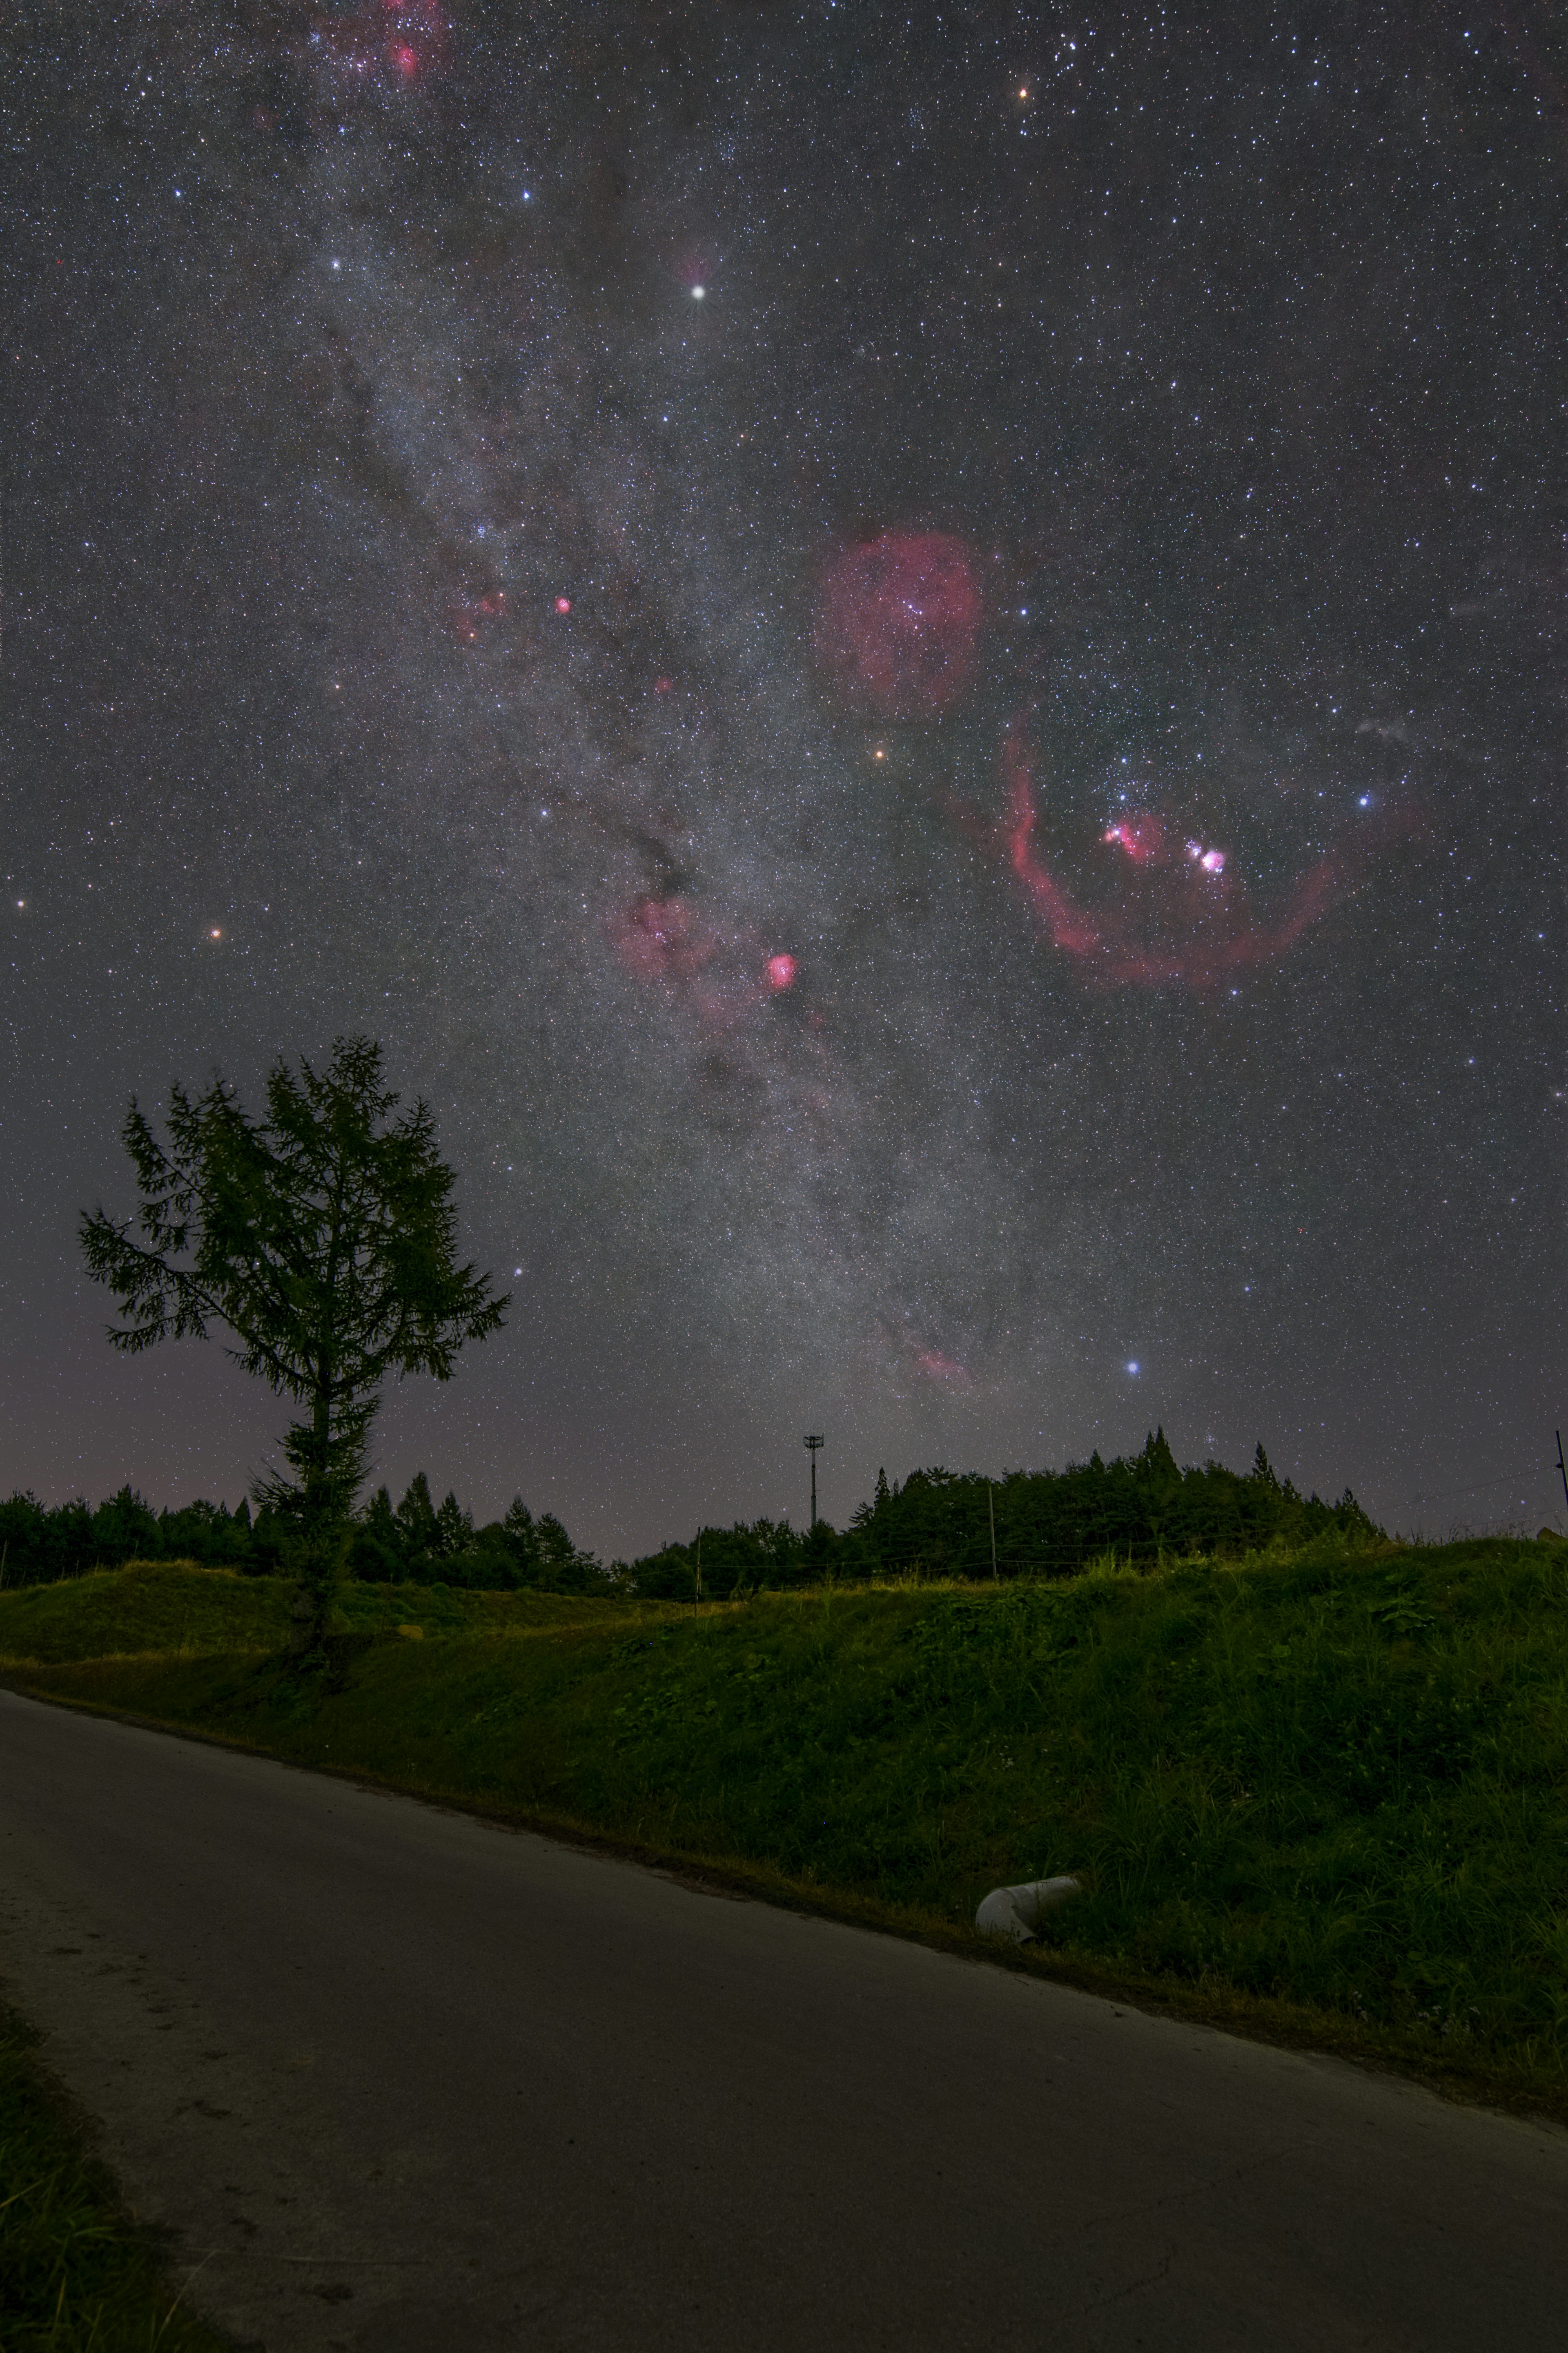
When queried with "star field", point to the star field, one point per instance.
{"points": [[913, 666]]}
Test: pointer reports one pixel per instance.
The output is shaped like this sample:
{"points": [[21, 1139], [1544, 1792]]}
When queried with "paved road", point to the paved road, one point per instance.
{"points": [[407, 2083]]}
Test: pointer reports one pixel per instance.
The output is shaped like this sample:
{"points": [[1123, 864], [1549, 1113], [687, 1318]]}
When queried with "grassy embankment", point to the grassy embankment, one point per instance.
{"points": [[76, 2276], [1322, 1798], [173, 1608]]}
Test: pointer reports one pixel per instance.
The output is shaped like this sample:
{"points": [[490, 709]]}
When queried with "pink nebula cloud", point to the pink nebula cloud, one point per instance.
{"points": [[1180, 919], [898, 622], [469, 609], [1142, 838], [406, 41], [660, 939]]}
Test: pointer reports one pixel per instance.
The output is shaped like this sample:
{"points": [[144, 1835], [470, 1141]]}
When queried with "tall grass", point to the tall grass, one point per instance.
{"points": [[1337, 1780], [171, 1606], [76, 2276]]}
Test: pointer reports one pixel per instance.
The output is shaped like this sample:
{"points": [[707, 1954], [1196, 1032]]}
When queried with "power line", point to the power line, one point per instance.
{"points": [[1486, 1488]]}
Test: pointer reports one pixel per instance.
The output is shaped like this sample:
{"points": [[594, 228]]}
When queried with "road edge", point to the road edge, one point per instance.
{"points": [[1246, 2017]]}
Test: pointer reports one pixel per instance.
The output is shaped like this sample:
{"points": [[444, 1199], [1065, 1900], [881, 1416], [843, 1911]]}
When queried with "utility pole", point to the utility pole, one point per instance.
{"points": [[698, 1596], [812, 1445], [1562, 1467], [991, 1507]]}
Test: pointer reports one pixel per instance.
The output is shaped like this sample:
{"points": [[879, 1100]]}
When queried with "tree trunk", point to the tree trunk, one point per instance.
{"points": [[322, 1544]]}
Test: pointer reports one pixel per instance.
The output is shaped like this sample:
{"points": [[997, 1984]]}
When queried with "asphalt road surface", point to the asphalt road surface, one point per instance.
{"points": [[399, 2079]]}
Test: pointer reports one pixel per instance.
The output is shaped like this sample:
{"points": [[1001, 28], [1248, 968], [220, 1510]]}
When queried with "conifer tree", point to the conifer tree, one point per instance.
{"points": [[324, 1238]]}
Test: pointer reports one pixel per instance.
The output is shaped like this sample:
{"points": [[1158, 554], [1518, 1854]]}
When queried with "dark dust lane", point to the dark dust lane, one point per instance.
{"points": [[400, 2079]]}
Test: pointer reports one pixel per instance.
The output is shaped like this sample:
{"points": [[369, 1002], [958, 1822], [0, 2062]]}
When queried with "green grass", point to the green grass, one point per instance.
{"points": [[173, 1606], [76, 2276], [1324, 1798]]}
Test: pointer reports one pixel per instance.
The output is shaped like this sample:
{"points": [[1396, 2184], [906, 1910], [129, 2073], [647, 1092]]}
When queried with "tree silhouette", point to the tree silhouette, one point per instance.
{"points": [[323, 1236]]}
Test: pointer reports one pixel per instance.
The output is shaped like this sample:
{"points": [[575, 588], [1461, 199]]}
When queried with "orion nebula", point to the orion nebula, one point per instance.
{"points": [[1178, 912], [914, 670]]}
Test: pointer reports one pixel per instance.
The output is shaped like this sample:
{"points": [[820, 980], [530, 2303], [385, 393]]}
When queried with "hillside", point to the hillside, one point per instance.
{"points": [[1335, 1785], [173, 1606]]}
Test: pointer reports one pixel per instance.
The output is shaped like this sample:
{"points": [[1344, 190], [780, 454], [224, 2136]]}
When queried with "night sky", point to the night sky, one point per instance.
{"points": [[912, 661]]}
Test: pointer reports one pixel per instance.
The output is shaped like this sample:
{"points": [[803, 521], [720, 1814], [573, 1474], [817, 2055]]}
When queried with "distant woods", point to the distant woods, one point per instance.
{"points": [[430, 1544], [418, 1542], [944, 1524], [938, 1524]]}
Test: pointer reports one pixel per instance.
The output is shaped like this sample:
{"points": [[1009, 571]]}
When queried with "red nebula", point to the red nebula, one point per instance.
{"points": [[938, 1367], [721, 975], [658, 940], [564, 604], [1141, 836], [418, 35], [1182, 920], [899, 620], [412, 38], [468, 607]]}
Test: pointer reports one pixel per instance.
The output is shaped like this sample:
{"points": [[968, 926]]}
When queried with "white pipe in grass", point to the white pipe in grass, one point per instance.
{"points": [[1016, 1911]]}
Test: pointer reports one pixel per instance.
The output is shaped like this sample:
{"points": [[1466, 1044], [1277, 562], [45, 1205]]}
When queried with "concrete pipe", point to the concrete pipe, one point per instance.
{"points": [[1016, 1912]]}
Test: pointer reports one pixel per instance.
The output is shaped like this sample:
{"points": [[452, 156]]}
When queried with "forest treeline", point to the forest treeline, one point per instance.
{"points": [[937, 1523], [417, 1541], [1027, 1524]]}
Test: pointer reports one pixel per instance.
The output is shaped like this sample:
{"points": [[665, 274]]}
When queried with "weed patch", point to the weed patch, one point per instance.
{"points": [[76, 2276], [175, 1606], [1334, 1783]]}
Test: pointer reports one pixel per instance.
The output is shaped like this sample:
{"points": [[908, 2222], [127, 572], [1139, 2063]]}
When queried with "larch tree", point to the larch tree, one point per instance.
{"points": [[323, 1236]]}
